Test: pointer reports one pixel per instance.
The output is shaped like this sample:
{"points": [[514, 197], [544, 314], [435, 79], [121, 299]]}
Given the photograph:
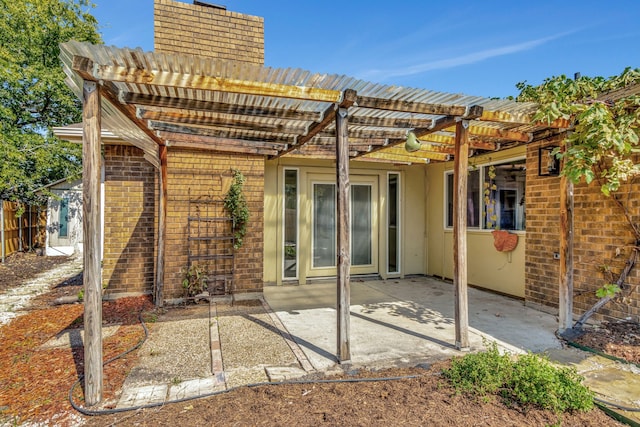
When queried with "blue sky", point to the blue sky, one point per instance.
{"points": [[474, 47]]}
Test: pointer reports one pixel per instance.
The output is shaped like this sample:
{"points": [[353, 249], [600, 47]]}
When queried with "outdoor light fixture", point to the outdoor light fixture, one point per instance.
{"points": [[548, 163], [412, 143]]}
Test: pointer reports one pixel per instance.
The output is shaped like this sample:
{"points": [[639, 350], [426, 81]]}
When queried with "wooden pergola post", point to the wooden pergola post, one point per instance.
{"points": [[162, 226], [565, 289], [460, 172], [92, 276], [343, 220]]}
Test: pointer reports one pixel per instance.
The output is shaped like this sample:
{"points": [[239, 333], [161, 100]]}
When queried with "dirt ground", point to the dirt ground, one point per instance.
{"points": [[34, 382]]}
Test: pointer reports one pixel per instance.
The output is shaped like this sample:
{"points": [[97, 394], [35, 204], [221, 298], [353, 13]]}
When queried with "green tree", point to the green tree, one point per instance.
{"points": [[603, 146], [33, 95], [605, 132]]}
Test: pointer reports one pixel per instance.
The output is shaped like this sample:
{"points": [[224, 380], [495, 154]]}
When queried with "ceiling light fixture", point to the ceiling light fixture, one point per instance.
{"points": [[412, 144]]}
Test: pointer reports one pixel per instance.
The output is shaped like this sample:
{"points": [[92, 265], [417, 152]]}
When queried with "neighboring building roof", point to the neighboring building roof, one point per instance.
{"points": [[152, 99], [61, 184], [73, 133]]}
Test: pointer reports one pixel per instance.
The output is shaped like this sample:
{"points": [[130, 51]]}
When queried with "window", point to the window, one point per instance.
{"points": [[393, 214], [497, 203], [290, 223], [63, 218], [473, 199]]}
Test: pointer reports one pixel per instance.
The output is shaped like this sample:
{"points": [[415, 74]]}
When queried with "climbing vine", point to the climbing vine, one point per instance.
{"points": [[236, 204], [602, 146], [605, 132]]}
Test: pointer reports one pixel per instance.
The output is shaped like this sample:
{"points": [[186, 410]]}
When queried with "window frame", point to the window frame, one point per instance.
{"points": [[284, 210], [398, 224], [481, 179]]}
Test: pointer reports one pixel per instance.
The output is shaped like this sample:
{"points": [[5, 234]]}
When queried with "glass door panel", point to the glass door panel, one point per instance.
{"points": [[324, 225], [361, 224], [364, 226]]}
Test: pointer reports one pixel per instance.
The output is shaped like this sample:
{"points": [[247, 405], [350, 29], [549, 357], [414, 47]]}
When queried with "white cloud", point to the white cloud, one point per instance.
{"points": [[457, 61]]}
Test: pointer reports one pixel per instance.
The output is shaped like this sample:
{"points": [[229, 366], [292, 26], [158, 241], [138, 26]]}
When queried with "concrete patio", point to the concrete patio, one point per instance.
{"points": [[405, 321], [200, 350]]}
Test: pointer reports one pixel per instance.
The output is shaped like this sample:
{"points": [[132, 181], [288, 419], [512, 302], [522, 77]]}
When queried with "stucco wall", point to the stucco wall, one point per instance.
{"points": [[487, 268], [412, 210]]}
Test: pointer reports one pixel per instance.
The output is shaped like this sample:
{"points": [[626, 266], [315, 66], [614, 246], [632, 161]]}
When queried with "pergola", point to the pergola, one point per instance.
{"points": [[159, 101]]}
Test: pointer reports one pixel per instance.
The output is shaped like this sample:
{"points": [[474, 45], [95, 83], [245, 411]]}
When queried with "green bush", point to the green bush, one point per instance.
{"points": [[534, 380], [479, 373], [531, 380]]}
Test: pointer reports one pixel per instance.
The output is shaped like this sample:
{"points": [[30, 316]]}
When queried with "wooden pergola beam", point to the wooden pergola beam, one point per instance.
{"points": [[92, 276], [504, 134], [409, 106], [209, 132], [460, 172], [388, 133], [328, 117], [417, 157], [199, 118], [226, 145], [470, 113], [425, 147], [343, 291], [450, 141], [170, 104], [224, 148], [110, 92], [389, 122], [173, 137], [320, 150], [89, 70], [520, 119], [326, 140]]}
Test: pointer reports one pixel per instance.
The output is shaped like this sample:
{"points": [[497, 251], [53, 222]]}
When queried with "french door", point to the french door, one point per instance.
{"points": [[364, 226]]}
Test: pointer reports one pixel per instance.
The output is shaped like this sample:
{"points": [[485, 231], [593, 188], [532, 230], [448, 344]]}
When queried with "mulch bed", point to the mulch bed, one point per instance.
{"points": [[618, 339], [423, 401], [20, 267], [35, 381]]}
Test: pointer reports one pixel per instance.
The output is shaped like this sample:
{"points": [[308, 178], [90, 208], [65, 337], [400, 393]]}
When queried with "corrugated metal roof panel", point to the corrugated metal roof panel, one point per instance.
{"points": [[189, 66]]}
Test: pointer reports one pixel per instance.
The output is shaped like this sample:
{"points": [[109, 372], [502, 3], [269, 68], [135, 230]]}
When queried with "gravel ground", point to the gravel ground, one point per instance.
{"points": [[178, 348], [15, 299], [179, 345], [250, 343]]}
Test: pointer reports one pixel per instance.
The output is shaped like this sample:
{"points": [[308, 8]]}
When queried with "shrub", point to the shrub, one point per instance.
{"points": [[479, 373], [531, 380], [535, 381]]}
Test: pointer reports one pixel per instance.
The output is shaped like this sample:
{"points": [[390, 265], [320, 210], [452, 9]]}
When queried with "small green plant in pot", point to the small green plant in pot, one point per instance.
{"points": [[194, 280]]}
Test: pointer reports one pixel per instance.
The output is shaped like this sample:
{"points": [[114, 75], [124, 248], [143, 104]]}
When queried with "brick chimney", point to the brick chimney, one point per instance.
{"points": [[207, 30]]}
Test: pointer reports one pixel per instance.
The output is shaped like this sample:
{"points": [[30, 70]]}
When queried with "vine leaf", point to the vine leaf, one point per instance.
{"points": [[236, 204]]}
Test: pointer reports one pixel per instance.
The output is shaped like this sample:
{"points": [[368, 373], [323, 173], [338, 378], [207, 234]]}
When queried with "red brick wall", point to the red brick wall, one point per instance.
{"points": [[129, 221], [212, 32], [194, 174], [601, 237]]}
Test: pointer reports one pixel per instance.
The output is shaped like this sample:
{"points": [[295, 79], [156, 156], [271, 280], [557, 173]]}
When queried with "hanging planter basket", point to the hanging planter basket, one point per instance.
{"points": [[504, 241]]}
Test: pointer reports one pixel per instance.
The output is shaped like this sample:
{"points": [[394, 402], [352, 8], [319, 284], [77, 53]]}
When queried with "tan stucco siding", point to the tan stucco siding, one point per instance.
{"points": [[487, 268], [412, 225]]}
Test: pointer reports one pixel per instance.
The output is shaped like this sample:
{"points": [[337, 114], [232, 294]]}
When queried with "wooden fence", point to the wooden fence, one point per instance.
{"points": [[22, 233]]}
